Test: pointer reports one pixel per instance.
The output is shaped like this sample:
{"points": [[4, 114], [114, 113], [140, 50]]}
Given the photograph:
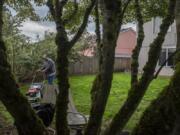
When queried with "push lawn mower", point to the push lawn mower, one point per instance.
{"points": [[45, 111], [35, 91]]}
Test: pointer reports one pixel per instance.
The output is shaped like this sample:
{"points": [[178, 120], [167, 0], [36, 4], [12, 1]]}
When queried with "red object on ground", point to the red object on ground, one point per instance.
{"points": [[32, 90]]}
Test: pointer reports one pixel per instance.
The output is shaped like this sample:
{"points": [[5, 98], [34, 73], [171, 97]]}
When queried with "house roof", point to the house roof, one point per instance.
{"points": [[126, 42], [127, 29]]}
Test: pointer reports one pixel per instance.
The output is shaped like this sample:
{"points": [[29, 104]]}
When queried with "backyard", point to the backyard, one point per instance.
{"points": [[81, 85]]}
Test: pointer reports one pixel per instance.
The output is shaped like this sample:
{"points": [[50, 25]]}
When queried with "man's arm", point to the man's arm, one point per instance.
{"points": [[44, 67]]}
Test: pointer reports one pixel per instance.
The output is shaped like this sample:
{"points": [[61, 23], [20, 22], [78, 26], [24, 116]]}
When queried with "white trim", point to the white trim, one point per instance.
{"points": [[153, 25], [167, 49], [169, 46], [122, 56]]}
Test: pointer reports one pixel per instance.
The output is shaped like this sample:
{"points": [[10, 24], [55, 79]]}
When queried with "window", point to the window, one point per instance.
{"points": [[171, 60], [165, 54], [162, 58]]}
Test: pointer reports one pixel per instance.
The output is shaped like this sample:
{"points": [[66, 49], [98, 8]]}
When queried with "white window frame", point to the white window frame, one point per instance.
{"points": [[167, 51], [153, 25]]}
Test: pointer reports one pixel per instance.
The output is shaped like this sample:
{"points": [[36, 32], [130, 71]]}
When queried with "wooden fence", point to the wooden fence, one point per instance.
{"points": [[89, 65]]}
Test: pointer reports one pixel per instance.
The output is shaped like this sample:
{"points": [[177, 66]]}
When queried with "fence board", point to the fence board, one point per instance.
{"points": [[89, 65]]}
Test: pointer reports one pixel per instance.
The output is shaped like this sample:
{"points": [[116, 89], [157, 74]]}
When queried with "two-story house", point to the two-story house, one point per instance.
{"points": [[151, 30]]}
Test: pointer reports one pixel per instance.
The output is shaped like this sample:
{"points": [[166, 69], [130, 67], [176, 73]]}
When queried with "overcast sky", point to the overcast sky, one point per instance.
{"points": [[32, 29]]}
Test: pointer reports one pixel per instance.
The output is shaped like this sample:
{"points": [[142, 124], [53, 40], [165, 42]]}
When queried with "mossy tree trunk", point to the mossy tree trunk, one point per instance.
{"points": [[112, 19], [64, 47], [63, 81], [98, 51], [17, 105], [159, 117], [177, 16], [137, 92], [162, 117], [137, 49], [97, 31]]}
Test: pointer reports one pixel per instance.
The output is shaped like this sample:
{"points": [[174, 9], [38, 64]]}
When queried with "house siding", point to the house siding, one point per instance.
{"points": [[126, 42], [151, 32]]}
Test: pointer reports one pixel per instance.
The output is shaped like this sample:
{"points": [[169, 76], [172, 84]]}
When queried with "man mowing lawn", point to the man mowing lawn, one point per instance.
{"points": [[49, 69]]}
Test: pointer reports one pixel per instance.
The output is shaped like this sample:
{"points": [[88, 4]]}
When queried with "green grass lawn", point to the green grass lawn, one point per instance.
{"points": [[81, 85]]}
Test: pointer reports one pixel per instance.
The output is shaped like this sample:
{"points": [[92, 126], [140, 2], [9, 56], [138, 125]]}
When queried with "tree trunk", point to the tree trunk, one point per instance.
{"points": [[137, 92], [1, 19], [94, 90], [13, 59], [97, 30], [63, 83], [177, 16], [111, 13], [176, 130], [136, 51], [16, 104], [64, 47], [162, 117], [159, 117]]}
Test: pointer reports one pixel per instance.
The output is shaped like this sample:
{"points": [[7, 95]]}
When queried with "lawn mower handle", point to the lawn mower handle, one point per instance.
{"points": [[35, 75]]}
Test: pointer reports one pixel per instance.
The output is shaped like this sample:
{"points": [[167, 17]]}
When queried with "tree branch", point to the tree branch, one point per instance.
{"points": [[125, 6], [62, 3], [97, 30], [72, 16], [164, 63], [51, 8], [84, 23], [1, 18], [58, 8], [61, 32], [136, 51]]}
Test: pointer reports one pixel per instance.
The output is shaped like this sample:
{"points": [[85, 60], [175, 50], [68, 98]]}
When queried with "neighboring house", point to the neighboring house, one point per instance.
{"points": [[151, 30], [125, 44], [89, 65]]}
